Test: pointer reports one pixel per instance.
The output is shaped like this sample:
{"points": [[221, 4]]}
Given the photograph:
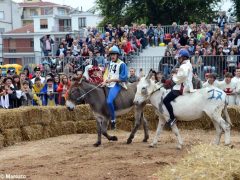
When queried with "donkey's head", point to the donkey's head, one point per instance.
{"points": [[74, 93], [145, 88]]}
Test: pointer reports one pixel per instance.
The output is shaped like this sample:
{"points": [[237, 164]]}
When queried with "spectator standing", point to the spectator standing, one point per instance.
{"points": [[47, 43], [229, 88], [62, 89], [11, 92], [211, 81], [49, 90], [27, 96], [36, 90], [37, 71], [158, 35], [132, 78]]}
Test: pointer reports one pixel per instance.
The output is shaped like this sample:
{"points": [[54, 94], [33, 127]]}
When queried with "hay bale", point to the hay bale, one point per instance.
{"points": [[68, 127], [46, 116], [47, 132], [84, 112], [33, 132], [55, 128], [12, 136], [33, 115], [1, 141], [59, 113], [234, 113], [124, 124], [11, 119], [205, 162], [86, 127]]}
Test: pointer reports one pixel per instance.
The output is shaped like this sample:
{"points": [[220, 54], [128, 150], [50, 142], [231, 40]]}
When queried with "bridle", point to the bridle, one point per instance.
{"points": [[85, 93]]}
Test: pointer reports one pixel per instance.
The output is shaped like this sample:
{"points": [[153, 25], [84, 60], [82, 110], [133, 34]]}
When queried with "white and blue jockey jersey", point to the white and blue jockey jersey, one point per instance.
{"points": [[114, 71]]}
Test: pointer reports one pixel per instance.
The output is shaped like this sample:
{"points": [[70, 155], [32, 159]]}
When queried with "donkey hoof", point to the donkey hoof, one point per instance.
{"points": [[179, 147], [152, 145], [97, 144], [145, 140], [230, 145], [129, 141], [113, 138]]}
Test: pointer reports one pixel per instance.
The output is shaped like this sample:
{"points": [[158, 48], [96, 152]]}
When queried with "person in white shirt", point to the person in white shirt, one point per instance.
{"points": [[211, 81], [229, 88], [37, 71], [182, 81], [236, 78]]}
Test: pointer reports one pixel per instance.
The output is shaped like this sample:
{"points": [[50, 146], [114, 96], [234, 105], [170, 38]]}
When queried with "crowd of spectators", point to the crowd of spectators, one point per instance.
{"points": [[212, 49]]}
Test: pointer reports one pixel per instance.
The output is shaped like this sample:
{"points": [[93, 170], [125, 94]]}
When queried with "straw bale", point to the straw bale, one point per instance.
{"points": [[11, 136], [124, 124], [68, 127], [1, 141], [11, 119], [33, 115], [55, 128], [47, 132], [234, 113], [46, 115], [33, 132], [86, 127], [205, 162], [84, 112], [71, 115], [58, 113]]}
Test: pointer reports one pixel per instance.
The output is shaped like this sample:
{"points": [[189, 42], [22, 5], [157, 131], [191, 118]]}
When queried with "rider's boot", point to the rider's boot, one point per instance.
{"points": [[113, 124]]}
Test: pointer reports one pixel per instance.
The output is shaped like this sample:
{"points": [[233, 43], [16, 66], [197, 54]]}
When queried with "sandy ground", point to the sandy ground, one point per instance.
{"points": [[74, 157]]}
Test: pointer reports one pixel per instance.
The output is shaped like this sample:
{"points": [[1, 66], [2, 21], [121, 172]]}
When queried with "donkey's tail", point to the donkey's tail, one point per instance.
{"points": [[225, 112]]}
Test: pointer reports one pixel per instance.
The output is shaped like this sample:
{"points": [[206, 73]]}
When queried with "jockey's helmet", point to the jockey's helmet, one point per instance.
{"points": [[183, 53], [114, 50]]}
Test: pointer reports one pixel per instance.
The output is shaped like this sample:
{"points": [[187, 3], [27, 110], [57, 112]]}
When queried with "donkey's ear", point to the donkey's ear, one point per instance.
{"points": [[149, 74]]}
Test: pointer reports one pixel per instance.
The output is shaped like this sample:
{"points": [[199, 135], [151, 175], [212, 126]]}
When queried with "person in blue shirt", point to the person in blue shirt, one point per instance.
{"points": [[115, 77], [49, 96]]}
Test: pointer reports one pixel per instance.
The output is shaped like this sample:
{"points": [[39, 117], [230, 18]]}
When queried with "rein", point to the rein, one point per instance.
{"points": [[158, 89], [89, 91]]}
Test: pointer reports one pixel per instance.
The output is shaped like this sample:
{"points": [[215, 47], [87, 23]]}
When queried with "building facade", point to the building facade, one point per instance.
{"points": [[23, 45], [10, 18]]}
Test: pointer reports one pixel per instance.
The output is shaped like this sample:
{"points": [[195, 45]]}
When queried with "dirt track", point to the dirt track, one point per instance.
{"points": [[74, 157]]}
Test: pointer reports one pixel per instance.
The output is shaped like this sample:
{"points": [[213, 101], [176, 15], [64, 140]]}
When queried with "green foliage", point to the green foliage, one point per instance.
{"points": [[237, 8], [156, 11]]}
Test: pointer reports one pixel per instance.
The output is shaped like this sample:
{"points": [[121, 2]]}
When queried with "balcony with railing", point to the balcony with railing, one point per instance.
{"points": [[18, 50], [65, 28]]}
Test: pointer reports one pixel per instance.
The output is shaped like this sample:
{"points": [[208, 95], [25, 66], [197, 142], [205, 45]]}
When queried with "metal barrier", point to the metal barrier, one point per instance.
{"points": [[201, 64], [167, 28], [48, 99]]}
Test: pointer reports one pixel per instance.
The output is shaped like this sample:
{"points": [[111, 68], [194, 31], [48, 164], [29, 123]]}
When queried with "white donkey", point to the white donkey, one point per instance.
{"points": [[188, 107]]}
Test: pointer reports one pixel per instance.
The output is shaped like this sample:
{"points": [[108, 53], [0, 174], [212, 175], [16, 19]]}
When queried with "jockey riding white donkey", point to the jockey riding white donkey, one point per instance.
{"points": [[189, 107], [116, 74], [182, 83]]}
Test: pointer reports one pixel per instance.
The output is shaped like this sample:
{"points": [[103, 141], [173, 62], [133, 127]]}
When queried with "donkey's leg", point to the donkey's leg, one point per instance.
{"points": [[104, 130], [218, 132], [99, 133], [161, 123], [138, 121], [145, 127], [217, 117], [225, 126], [177, 134]]}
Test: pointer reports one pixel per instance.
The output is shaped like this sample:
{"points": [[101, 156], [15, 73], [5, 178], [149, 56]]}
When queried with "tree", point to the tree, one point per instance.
{"points": [[156, 11], [237, 8]]}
